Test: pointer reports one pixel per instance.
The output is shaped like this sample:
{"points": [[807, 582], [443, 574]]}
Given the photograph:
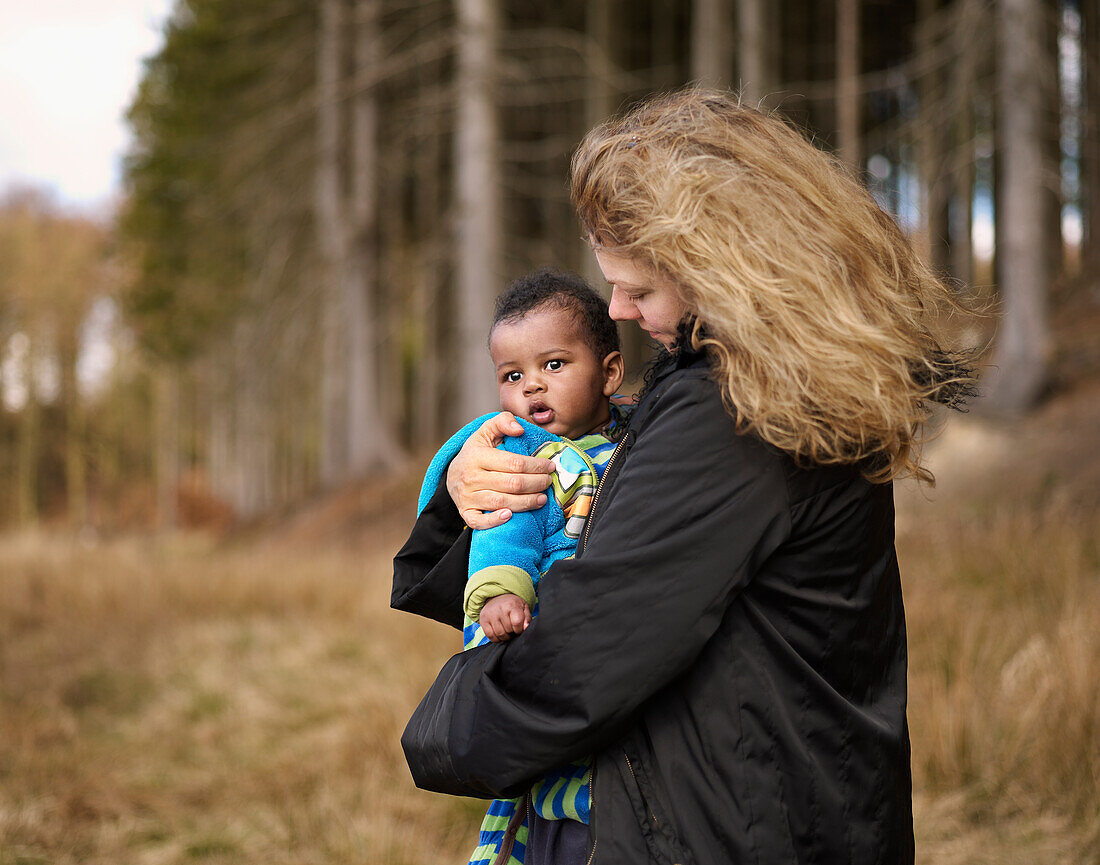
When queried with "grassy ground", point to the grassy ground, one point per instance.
{"points": [[168, 703], [176, 701]]}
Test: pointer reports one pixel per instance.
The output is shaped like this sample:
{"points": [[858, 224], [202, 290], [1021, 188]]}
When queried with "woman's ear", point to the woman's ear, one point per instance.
{"points": [[613, 372]]}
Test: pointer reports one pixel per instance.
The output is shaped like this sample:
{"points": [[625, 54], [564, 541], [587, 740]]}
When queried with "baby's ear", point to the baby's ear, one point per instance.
{"points": [[613, 372]]}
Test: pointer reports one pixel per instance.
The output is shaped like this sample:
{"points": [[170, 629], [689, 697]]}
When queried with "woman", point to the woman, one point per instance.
{"points": [[729, 641]]}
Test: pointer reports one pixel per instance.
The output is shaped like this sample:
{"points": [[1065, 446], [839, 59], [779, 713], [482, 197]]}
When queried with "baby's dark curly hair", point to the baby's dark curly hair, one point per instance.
{"points": [[560, 289]]}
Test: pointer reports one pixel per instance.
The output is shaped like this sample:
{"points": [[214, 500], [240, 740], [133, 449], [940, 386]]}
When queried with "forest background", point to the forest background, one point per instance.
{"points": [[321, 200]]}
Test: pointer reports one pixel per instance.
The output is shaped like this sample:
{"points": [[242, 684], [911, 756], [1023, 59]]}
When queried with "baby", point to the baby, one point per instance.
{"points": [[557, 360]]}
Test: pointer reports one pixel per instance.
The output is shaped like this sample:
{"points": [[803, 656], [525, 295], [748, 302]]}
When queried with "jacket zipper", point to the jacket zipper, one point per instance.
{"points": [[652, 816], [580, 549], [596, 497], [592, 799]]}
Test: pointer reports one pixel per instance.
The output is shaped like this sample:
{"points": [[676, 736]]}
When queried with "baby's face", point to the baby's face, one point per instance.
{"points": [[548, 374]]}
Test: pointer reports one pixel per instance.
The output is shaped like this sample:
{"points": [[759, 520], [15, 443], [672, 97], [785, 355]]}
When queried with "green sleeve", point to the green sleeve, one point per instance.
{"points": [[493, 581]]}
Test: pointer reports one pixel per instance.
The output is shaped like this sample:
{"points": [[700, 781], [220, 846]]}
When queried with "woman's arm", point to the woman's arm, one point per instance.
{"points": [[691, 515], [430, 570]]}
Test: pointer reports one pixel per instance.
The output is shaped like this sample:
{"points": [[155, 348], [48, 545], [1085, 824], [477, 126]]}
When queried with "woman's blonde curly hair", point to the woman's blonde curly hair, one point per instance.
{"points": [[815, 311]]}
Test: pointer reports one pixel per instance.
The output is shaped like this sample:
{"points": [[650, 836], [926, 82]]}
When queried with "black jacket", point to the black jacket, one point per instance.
{"points": [[729, 643]]}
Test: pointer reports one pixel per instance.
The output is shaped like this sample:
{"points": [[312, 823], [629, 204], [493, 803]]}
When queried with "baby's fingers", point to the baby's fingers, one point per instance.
{"points": [[518, 619], [496, 628]]}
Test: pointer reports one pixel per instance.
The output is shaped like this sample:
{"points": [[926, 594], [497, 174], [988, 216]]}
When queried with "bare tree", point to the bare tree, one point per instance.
{"points": [[934, 130], [477, 200], [1090, 133], [371, 446], [1020, 355], [27, 447], [967, 20], [847, 81], [1048, 73], [167, 460], [355, 433], [332, 241], [711, 42], [599, 97], [752, 50]]}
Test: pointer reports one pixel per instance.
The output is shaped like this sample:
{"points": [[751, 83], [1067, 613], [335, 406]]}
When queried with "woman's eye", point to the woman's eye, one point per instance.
{"points": [[513, 376], [554, 365]]}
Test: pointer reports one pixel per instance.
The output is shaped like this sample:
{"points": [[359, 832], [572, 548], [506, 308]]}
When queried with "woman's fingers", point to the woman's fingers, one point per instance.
{"points": [[491, 508], [476, 519], [484, 458], [493, 491], [493, 431], [483, 479]]}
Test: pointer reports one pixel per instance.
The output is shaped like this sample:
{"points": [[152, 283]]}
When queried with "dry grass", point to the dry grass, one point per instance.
{"points": [[173, 702], [167, 703], [1002, 581], [1004, 616]]}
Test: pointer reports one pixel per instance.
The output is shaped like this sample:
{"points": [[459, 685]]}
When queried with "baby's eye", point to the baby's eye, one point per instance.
{"points": [[554, 365], [513, 376]]}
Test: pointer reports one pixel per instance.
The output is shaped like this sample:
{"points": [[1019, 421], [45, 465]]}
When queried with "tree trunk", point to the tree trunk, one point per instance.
{"points": [[433, 340], [219, 453], [477, 194], [26, 484], [664, 48], [370, 444], [1090, 135], [76, 476], [711, 43], [1020, 357], [599, 102], [847, 81], [167, 445], [962, 82], [332, 242], [1052, 137], [934, 135], [752, 51], [254, 450]]}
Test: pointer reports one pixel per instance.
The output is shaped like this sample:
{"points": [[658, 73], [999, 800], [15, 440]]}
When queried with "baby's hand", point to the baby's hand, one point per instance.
{"points": [[504, 617]]}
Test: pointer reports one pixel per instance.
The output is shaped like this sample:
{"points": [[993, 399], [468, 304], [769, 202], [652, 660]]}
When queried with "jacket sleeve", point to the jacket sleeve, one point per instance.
{"points": [[429, 571], [693, 512]]}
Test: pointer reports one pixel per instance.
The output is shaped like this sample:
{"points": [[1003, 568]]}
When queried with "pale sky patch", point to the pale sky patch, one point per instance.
{"points": [[68, 71]]}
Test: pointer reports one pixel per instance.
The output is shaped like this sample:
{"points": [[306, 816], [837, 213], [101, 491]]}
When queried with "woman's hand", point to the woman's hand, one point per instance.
{"points": [[482, 478]]}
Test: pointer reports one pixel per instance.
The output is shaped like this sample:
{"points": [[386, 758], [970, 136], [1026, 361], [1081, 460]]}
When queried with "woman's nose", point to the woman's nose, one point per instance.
{"points": [[621, 308]]}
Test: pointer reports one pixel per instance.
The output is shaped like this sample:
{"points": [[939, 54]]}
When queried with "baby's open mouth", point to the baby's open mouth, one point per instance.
{"points": [[540, 412]]}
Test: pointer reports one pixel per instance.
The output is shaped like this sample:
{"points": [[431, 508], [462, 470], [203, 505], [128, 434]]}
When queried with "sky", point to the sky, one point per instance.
{"points": [[68, 70]]}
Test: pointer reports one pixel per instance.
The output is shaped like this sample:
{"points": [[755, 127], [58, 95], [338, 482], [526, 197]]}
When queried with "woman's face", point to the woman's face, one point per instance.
{"points": [[639, 294]]}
